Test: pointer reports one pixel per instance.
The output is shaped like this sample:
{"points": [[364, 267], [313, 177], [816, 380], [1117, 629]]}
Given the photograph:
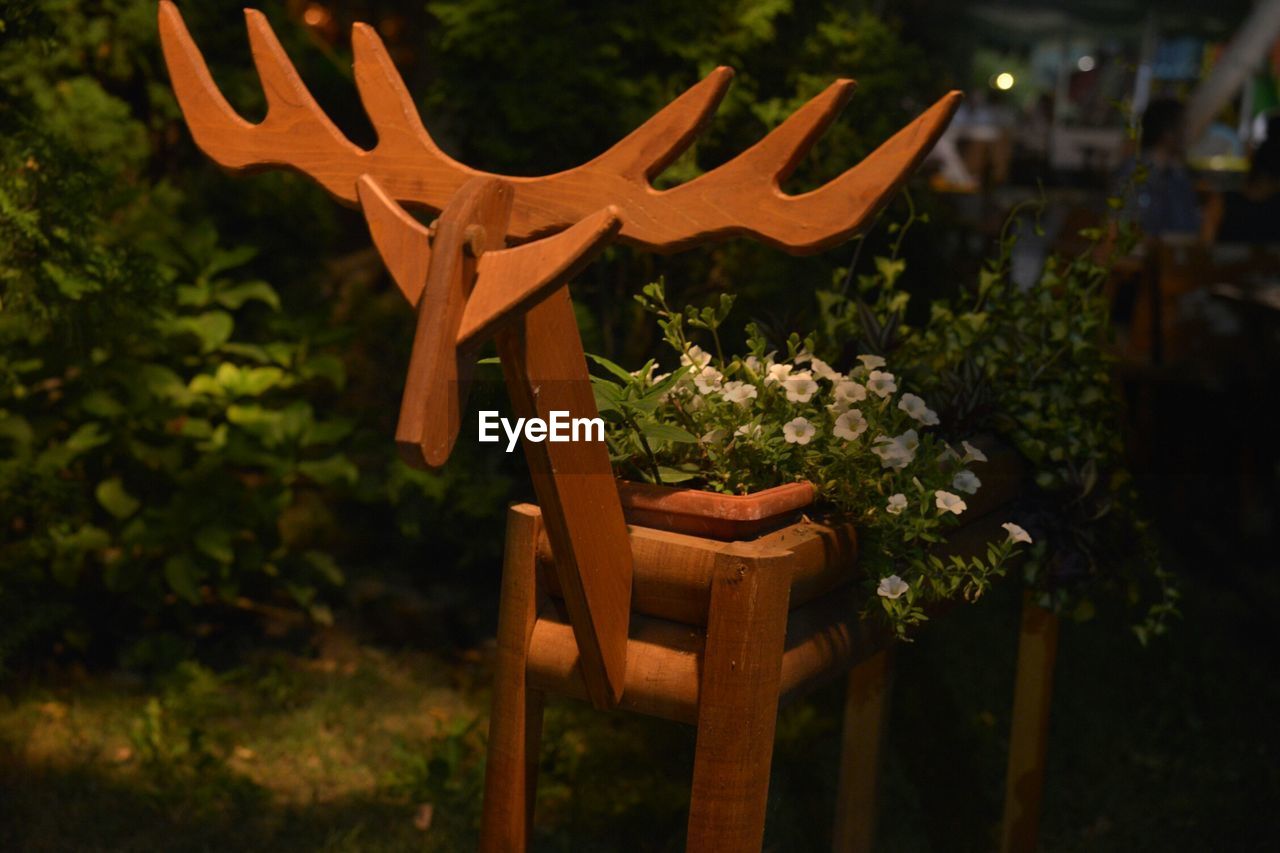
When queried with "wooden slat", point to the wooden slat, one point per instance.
{"points": [[510, 281], [515, 723], [823, 638], [546, 371], [738, 706], [663, 661], [673, 571]]}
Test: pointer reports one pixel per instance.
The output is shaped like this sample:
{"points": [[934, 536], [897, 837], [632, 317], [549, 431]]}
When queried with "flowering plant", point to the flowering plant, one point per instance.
{"points": [[1030, 364], [741, 423]]}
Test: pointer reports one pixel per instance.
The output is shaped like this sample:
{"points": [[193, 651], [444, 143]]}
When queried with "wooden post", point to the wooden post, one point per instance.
{"points": [[865, 710], [1032, 692], [738, 702], [515, 721]]}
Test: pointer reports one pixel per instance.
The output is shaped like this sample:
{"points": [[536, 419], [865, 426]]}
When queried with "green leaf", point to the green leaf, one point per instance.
{"points": [[115, 499], [234, 297], [327, 432], [326, 566], [228, 259], [608, 394], [617, 370], [160, 381], [215, 542], [101, 404], [674, 475], [69, 284], [328, 367], [890, 268], [667, 432], [183, 577], [212, 328], [87, 437], [337, 468]]}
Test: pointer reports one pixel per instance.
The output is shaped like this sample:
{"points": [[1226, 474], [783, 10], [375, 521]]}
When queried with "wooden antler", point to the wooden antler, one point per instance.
{"points": [[741, 197]]}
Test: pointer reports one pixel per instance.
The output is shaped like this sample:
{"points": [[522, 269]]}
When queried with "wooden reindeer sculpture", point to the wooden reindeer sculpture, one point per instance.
{"points": [[468, 286]]}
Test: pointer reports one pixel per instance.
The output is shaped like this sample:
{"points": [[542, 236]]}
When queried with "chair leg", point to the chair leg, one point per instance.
{"points": [[515, 720], [738, 704], [1032, 692], [865, 711]]}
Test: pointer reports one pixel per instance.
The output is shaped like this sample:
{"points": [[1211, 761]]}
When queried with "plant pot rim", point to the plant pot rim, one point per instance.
{"points": [[714, 514]]}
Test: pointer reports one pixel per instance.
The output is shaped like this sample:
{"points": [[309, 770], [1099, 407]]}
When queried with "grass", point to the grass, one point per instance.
{"points": [[356, 747]]}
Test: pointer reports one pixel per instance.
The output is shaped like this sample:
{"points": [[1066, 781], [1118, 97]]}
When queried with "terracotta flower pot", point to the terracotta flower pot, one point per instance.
{"points": [[714, 514]]}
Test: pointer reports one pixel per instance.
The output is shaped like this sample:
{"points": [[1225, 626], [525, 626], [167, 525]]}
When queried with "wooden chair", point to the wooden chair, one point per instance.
{"points": [[720, 631]]}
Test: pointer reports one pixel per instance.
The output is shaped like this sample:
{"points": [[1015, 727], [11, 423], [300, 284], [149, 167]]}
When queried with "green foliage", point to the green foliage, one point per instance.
{"points": [[171, 435], [1032, 366]]}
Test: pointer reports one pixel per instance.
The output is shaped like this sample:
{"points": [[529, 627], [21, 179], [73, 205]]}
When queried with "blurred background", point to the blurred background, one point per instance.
{"points": [[230, 619]]}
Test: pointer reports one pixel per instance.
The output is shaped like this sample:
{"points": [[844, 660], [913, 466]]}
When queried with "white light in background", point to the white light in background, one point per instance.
{"points": [[1003, 81], [1086, 63]]}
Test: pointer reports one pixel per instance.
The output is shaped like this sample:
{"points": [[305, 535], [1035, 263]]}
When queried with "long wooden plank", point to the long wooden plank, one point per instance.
{"points": [[738, 705], [515, 723], [546, 371]]}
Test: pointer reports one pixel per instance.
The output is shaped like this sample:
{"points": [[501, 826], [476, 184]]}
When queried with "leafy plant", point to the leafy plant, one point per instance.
{"points": [[743, 423], [1032, 366]]}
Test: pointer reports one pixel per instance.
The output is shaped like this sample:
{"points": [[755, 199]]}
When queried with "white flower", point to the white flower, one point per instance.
{"points": [[850, 425], [802, 357], [777, 373], [749, 430], [800, 387], [948, 502], [896, 452], [741, 393], [798, 431], [972, 454], [822, 370], [697, 356], [881, 383], [715, 436], [871, 362], [967, 482], [892, 587], [897, 503], [849, 392], [708, 379], [1016, 533], [915, 407], [753, 364]]}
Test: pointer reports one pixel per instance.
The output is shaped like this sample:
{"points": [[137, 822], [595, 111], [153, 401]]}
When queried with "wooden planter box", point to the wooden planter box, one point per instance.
{"points": [[714, 515]]}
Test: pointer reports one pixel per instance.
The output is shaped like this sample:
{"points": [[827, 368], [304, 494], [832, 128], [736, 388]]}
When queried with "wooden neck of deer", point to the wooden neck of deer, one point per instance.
{"points": [[467, 287]]}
